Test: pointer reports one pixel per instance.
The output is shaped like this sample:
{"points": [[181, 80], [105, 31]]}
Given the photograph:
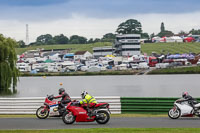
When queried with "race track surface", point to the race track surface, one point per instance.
{"points": [[133, 122]]}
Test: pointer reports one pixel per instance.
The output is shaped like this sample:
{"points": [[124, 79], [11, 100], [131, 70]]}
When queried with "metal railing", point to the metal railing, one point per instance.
{"points": [[30, 105]]}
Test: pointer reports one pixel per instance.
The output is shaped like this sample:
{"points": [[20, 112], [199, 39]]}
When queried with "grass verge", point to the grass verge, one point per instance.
{"points": [[125, 72], [148, 48], [112, 115], [182, 70], [109, 130]]}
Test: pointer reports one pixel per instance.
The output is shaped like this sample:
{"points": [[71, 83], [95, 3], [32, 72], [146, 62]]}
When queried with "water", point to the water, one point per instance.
{"points": [[129, 86]]}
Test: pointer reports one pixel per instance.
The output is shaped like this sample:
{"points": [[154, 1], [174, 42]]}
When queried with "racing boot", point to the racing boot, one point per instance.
{"points": [[89, 114]]}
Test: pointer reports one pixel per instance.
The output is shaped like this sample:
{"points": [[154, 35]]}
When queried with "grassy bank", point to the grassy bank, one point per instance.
{"points": [[182, 70], [127, 72], [172, 48], [145, 48], [73, 47], [109, 130]]}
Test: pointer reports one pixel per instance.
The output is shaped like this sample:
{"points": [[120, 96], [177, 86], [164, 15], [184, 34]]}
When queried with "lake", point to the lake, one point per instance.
{"points": [[126, 85]]}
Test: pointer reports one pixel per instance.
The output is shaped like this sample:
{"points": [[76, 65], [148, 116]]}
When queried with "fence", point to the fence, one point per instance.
{"points": [[30, 105], [117, 105], [146, 105]]}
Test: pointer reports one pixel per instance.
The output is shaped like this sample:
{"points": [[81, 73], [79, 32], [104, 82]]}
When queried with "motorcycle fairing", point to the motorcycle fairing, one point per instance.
{"points": [[102, 104], [53, 110], [197, 105], [185, 109], [80, 114]]}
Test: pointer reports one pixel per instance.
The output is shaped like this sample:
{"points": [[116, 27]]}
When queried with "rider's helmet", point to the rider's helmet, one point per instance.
{"points": [[184, 94], [61, 90], [83, 94]]}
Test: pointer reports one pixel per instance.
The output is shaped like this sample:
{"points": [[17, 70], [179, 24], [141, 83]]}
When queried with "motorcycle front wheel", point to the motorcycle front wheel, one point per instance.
{"points": [[102, 117], [68, 118], [42, 114], [174, 114]]}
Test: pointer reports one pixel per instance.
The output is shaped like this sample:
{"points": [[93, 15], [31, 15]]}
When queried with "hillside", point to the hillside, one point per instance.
{"points": [[145, 48]]}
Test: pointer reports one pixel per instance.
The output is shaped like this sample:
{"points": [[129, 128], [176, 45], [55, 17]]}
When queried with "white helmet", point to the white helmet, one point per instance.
{"points": [[83, 94]]}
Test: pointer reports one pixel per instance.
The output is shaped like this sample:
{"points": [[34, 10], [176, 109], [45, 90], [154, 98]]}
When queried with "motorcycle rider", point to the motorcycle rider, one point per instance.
{"points": [[65, 98], [189, 98], [88, 100]]}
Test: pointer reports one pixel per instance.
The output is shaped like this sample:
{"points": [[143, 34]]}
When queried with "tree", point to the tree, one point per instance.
{"points": [[90, 40], [8, 71], [195, 32], [61, 39], [97, 40], [21, 44], [145, 35], [152, 35], [109, 37], [164, 32], [131, 26], [162, 27], [75, 39], [182, 33], [45, 39]]}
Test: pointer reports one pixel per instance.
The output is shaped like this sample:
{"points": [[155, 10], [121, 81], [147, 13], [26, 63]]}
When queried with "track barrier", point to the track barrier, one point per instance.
{"points": [[30, 105]]}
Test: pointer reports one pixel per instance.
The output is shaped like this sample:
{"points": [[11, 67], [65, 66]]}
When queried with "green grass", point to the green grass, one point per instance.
{"points": [[73, 47], [172, 48], [182, 70], [78, 73], [112, 115], [109, 130], [145, 48]]}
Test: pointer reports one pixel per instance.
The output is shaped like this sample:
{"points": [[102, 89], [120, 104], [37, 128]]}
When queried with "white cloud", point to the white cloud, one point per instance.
{"points": [[96, 28]]}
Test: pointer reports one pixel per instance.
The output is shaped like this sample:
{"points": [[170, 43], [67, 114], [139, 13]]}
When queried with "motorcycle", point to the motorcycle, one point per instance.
{"points": [[50, 108], [75, 112], [184, 109]]}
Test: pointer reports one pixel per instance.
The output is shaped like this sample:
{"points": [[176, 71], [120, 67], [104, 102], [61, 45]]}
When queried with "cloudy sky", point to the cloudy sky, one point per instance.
{"points": [[94, 18]]}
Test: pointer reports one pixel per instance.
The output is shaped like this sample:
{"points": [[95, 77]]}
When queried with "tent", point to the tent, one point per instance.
{"points": [[189, 39], [48, 61], [68, 55], [22, 56], [156, 39], [174, 39], [109, 56]]}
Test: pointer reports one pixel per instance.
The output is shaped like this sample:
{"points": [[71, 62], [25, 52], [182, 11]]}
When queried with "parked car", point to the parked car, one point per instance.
{"points": [[121, 67], [187, 63], [134, 66], [143, 65], [198, 63], [94, 69], [174, 64], [162, 65]]}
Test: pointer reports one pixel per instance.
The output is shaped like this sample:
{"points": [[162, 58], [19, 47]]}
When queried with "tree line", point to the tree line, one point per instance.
{"points": [[8, 71], [130, 26]]}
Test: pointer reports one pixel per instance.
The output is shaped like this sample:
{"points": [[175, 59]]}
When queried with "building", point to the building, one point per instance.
{"points": [[82, 55], [103, 51], [127, 45]]}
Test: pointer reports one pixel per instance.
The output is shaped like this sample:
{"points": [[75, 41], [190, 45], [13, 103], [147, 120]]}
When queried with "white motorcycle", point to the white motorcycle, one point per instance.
{"points": [[184, 109]]}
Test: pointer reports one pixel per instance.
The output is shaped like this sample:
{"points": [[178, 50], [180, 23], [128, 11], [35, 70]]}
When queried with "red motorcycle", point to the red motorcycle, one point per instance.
{"points": [[75, 112], [50, 108]]}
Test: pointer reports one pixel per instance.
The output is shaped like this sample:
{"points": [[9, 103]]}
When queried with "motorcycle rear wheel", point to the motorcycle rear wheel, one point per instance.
{"points": [[68, 118], [40, 114], [174, 114], [104, 117]]}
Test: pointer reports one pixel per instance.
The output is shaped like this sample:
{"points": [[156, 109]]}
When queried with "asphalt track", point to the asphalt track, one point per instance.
{"points": [[133, 122]]}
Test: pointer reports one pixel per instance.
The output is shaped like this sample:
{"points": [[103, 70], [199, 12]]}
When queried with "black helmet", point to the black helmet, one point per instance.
{"points": [[61, 90], [184, 94]]}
